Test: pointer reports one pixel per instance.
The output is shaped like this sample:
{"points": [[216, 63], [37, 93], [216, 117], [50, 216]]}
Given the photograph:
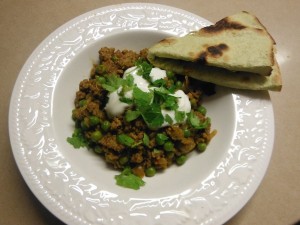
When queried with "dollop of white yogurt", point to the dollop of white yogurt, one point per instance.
{"points": [[115, 107], [140, 82], [184, 105], [157, 74]]}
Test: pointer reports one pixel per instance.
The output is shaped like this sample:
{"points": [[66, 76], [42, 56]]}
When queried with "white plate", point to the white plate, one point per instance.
{"points": [[76, 185]]}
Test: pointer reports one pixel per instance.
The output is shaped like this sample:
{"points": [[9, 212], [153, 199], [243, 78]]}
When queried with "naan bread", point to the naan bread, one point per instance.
{"points": [[236, 52]]}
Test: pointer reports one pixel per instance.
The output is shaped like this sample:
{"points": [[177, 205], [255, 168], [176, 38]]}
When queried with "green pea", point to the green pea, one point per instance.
{"points": [[96, 136], [170, 74], [170, 155], [123, 160], [98, 149], [161, 138], [105, 125], [181, 160], [202, 110], [187, 133], [94, 120], [114, 58], [100, 69], [178, 84], [157, 151], [82, 102], [201, 147], [150, 172], [168, 146], [100, 80], [85, 124]]}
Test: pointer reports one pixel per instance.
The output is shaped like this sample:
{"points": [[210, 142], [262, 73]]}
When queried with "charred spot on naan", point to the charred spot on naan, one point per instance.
{"points": [[214, 51], [217, 50], [224, 24], [202, 57], [167, 41]]}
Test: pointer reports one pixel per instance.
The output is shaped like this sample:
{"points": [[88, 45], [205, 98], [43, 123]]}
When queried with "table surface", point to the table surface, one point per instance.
{"points": [[24, 24]]}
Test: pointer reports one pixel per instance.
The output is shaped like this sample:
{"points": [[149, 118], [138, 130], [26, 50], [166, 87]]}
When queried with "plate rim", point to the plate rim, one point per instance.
{"points": [[18, 83]]}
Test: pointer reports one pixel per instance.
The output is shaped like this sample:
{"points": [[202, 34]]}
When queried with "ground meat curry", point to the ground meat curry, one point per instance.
{"points": [[127, 140]]}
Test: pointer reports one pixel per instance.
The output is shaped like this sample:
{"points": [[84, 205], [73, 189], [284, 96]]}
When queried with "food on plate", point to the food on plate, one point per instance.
{"points": [[236, 52], [139, 118]]}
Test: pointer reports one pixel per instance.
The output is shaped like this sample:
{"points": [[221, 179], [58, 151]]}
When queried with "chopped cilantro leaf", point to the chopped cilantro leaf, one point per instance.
{"points": [[170, 103], [179, 116], [205, 124], [108, 88], [132, 115], [159, 83], [129, 180], [77, 139], [149, 104], [162, 91], [161, 138], [146, 140], [168, 119], [196, 122], [142, 98], [152, 116], [172, 88], [165, 99], [144, 68], [112, 83], [126, 100], [128, 83], [125, 140], [150, 111], [100, 79], [193, 120]]}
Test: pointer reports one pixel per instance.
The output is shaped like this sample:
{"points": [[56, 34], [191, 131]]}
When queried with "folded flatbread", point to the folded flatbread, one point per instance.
{"points": [[236, 52]]}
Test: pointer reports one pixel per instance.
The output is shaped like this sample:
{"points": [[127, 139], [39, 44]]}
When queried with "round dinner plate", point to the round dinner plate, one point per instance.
{"points": [[76, 185]]}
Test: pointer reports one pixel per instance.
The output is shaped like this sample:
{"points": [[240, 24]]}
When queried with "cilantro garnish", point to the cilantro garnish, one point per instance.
{"points": [[144, 68], [152, 116], [150, 110], [129, 180], [127, 83], [142, 98], [146, 140], [126, 100], [114, 82], [170, 103], [159, 83], [131, 115], [168, 119], [196, 123], [77, 139], [163, 91], [125, 140], [164, 98], [179, 116], [161, 138], [148, 105]]}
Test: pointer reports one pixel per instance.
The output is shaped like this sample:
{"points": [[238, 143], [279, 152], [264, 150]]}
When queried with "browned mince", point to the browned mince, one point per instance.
{"points": [[140, 157]]}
